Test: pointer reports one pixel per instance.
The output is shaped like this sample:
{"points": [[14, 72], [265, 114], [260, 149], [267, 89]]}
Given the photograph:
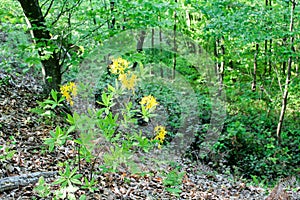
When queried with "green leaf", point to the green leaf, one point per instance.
{"points": [[111, 88], [175, 191], [70, 119], [71, 129], [76, 181], [59, 181], [54, 95], [67, 171]]}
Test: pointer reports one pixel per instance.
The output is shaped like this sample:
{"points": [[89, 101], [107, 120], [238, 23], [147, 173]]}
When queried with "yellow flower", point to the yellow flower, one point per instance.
{"points": [[149, 102], [73, 88], [160, 134], [119, 66], [123, 62], [128, 80], [68, 89], [65, 93]]}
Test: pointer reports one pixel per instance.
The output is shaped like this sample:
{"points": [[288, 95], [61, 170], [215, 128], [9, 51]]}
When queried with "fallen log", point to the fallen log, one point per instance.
{"points": [[13, 182]]}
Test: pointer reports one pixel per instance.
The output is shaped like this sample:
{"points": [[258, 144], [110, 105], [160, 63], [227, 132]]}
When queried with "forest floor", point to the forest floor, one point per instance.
{"points": [[23, 132]]}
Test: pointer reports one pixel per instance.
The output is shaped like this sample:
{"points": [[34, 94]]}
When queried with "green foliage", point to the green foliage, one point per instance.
{"points": [[66, 192], [4, 81], [42, 188], [168, 99], [173, 181], [68, 177], [6, 153], [106, 102], [254, 150], [108, 126], [248, 141], [90, 185], [115, 157], [142, 142], [48, 107], [58, 138], [85, 150]]}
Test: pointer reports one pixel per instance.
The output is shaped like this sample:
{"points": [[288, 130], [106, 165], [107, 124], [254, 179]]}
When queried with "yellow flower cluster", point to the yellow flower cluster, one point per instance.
{"points": [[119, 66], [149, 102], [160, 134], [128, 80], [69, 90]]}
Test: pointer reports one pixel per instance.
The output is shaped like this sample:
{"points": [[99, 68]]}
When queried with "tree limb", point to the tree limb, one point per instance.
{"points": [[48, 9], [13, 182]]}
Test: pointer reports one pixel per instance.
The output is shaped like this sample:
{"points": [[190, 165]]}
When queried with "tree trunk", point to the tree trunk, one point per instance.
{"points": [[266, 57], [51, 67], [113, 20], [152, 48], [255, 67], [216, 54], [161, 53], [139, 45], [288, 77], [220, 66], [266, 47], [270, 43], [174, 43]]}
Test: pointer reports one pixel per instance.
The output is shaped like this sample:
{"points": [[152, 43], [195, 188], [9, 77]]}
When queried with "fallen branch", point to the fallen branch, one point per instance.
{"points": [[13, 182]]}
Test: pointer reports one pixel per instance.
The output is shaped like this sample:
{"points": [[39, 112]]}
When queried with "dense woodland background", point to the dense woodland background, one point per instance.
{"points": [[253, 47]]}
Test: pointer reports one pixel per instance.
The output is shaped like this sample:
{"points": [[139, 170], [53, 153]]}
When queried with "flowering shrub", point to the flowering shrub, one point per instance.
{"points": [[128, 80], [115, 121], [149, 102], [120, 67], [160, 132], [69, 90]]}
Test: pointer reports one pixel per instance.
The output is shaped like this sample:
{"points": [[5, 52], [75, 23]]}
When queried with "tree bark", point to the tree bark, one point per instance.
{"points": [[161, 53], [219, 53], [255, 67], [222, 67], [270, 42], [139, 45], [113, 20], [174, 43], [288, 77], [266, 47], [13, 182], [51, 67]]}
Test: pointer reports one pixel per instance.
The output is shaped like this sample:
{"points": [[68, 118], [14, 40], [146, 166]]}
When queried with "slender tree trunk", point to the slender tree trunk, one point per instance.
{"points": [[222, 67], [113, 20], [288, 77], [51, 67], [92, 8], [219, 52], [139, 46], [160, 51], [284, 44], [270, 44], [188, 19], [266, 46], [141, 40], [266, 57], [174, 43], [152, 47], [255, 67], [216, 54]]}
